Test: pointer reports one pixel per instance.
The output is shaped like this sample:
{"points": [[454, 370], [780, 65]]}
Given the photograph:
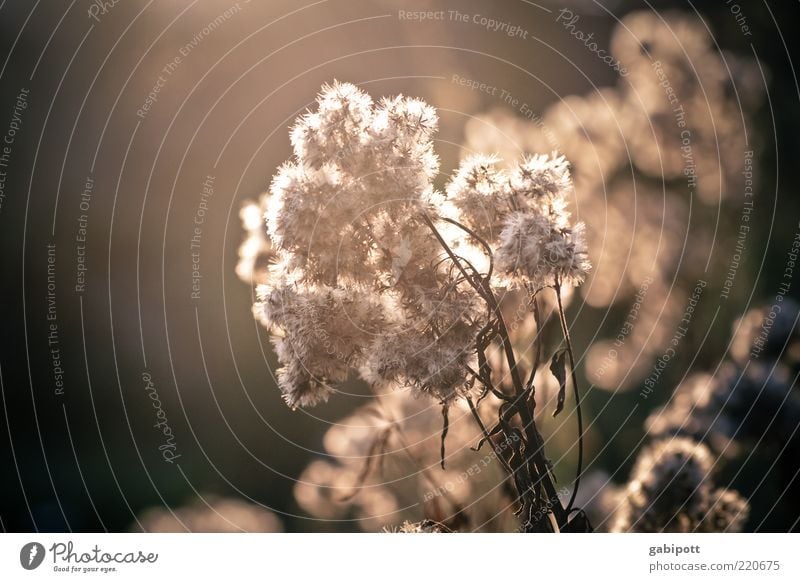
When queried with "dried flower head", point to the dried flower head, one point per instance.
{"points": [[425, 362], [361, 279], [532, 251], [617, 135], [522, 213], [671, 490], [542, 181], [478, 190], [322, 333]]}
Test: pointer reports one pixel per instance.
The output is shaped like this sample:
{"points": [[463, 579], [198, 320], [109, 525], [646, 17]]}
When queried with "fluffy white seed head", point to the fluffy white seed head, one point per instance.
{"points": [[541, 179], [320, 334], [423, 361], [358, 281], [338, 130], [479, 190], [534, 252]]}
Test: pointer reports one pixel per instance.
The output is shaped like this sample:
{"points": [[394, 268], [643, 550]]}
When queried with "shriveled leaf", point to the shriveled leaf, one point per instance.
{"points": [[558, 366], [495, 431]]}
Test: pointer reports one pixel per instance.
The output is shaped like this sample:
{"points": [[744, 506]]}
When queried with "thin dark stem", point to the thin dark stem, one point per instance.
{"points": [[478, 238], [488, 385], [487, 436], [478, 288], [538, 471], [563, 319], [445, 429], [541, 472], [537, 342]]}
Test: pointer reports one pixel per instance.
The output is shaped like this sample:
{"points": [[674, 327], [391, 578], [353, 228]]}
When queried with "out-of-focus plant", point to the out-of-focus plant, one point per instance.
{"points": [[670, 145], [209, 514], [671, 490], [711, 419], [376, 272]]}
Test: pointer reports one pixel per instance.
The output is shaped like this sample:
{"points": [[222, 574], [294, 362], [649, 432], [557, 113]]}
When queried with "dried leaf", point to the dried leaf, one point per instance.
{"points": [[558, 366], [495, 431]]}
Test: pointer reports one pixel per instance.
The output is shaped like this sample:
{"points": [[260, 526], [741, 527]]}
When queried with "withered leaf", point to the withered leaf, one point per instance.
{"points": [[558, 366]]}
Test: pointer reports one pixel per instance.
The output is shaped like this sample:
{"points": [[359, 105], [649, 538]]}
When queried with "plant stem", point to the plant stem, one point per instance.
{"points": [[537, 341], [496, 450], [541, 471], [563, 319], [535, 462]]}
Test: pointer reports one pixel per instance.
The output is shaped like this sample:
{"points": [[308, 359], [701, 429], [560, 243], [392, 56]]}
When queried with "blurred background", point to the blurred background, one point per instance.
{"points": [[134, 377]]}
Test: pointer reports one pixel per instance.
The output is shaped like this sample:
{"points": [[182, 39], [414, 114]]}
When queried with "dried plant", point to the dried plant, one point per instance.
{"points": [[376, 272], [366, 268]]}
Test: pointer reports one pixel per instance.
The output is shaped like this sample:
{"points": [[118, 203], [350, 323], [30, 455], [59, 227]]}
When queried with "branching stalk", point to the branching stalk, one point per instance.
{"points": [[530, 471]]}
